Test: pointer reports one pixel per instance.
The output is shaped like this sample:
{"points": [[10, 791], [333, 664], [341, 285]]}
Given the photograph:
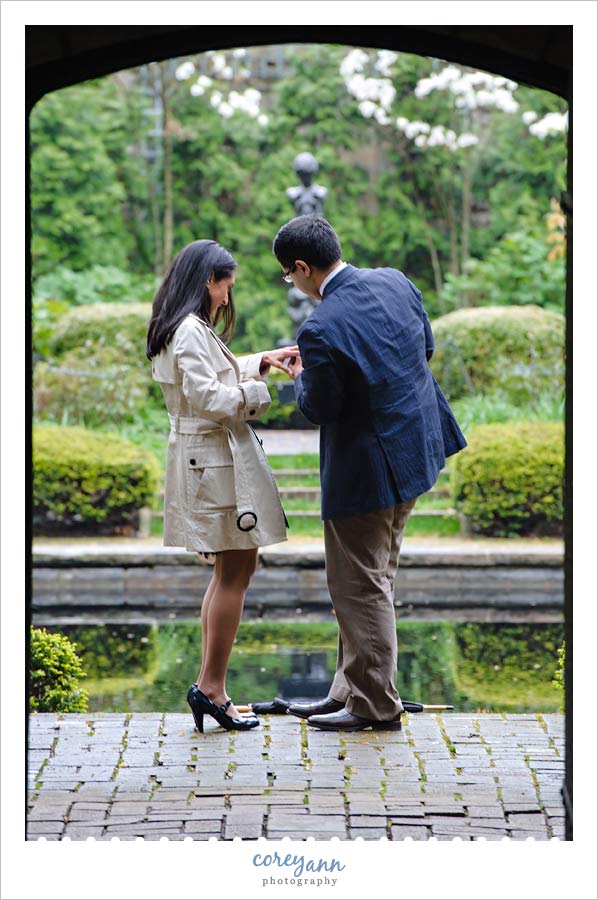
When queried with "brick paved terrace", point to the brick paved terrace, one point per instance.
{"points": [[148, 775]]}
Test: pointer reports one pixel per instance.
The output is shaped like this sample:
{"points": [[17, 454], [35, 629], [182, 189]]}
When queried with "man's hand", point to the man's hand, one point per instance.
{"points": [[295, 366], [280, 359]]}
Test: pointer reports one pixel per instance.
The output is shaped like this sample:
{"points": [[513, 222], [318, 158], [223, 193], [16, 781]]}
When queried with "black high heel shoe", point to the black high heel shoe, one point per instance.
{"points": [[202, 705]]}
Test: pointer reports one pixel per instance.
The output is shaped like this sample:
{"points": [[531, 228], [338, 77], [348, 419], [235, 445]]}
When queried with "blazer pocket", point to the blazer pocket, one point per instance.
{"points": [[393, 401]]}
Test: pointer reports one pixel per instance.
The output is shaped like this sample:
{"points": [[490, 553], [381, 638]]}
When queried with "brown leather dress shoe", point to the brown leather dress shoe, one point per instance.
{"points": [[346, 721], [320, 708]]}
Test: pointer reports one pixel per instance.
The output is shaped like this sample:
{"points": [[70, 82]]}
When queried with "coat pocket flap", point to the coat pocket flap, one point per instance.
{"points": [[209, 452]]}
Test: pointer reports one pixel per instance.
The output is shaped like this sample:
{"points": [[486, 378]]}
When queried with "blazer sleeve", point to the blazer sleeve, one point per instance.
{"points": [[200, 384], [429, 337], [319, 389]]}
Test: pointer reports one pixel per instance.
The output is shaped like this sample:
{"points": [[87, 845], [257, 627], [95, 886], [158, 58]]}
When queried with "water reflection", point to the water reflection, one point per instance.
{"points": [[474, 666]]}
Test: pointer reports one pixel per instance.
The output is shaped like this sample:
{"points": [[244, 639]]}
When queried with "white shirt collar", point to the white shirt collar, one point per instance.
{"points": [[331, 276]]}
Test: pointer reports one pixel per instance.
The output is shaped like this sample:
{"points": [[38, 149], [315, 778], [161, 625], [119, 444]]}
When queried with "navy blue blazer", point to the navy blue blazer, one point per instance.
{"points": [[385, 426]]}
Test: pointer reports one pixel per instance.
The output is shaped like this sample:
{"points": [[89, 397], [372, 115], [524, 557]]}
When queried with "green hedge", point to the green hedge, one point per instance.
{"points": [[101, 324], [110, 337], [89, 480], [54, 673], [509, 479], [518, 350], [99, 328], [101, 385]]}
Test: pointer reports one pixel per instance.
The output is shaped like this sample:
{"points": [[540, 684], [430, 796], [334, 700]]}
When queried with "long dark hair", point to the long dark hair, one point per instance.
{"points": [[184, 290]]}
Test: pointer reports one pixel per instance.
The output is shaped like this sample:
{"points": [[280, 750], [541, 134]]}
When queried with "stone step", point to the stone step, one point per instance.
{"points": [[288, 589], [446, 554]]}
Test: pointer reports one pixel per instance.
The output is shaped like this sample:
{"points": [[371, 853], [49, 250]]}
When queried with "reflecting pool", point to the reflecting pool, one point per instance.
{"points": [[485, 667]]}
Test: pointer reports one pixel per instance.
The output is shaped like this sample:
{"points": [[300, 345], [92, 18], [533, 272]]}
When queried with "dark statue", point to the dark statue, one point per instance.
{"points": [[306, 198]]}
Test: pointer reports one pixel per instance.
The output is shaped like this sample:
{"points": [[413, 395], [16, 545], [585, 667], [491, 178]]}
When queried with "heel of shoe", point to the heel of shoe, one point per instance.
{"points": [[198, 716], [202, 705]]}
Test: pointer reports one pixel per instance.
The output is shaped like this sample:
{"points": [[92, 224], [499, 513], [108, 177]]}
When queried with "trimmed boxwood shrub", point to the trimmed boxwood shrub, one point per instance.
{"points": [[54, 673], [90, 481], [102, 323], [95, 328], [101, 385], [518, 350], [509, 479]]}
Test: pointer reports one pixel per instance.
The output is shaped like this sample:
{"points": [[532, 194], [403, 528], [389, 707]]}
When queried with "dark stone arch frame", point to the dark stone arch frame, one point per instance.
{"points": [[539, 56]]}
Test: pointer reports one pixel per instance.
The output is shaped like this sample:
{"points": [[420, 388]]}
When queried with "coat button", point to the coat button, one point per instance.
{"points": [[246, 521], [192, 462], [252, 412]]}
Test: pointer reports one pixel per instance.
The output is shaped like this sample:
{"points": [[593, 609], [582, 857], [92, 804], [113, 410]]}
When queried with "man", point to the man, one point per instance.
{"points": [[385, 431]]}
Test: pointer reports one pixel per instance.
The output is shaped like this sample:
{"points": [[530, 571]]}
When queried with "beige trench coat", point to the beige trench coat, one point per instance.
{"points": [[220, 493]]}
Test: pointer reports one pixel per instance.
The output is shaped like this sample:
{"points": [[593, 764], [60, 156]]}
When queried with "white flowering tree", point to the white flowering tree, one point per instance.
{"points": [[441, 135], [227, 88], [225, 92]]}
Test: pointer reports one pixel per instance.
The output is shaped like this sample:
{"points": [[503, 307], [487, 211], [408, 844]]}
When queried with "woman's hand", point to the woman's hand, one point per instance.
{"points": [[280, 359]]}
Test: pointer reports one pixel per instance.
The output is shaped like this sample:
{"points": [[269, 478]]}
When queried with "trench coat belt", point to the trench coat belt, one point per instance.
{"points": [[246, 517]]}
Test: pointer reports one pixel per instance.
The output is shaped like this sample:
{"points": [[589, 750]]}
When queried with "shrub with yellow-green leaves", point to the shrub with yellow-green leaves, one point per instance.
{"points": [[509, 479], [54, 673], [89, 480]]}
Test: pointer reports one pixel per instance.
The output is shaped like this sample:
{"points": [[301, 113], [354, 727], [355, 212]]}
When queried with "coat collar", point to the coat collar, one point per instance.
{"points": [[231, 356], [344, 275]]}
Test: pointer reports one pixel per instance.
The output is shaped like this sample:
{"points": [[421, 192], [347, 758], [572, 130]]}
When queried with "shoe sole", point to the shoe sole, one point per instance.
{"points": [[310, 714], [375, 726]]}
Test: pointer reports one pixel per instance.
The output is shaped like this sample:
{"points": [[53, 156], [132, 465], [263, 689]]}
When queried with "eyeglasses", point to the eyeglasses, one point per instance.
{"points": [[287, 275]]}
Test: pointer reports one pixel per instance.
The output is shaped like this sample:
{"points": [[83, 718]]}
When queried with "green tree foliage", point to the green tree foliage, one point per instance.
{"points": [[102, 151], [516, 270], [451, 140], [54, 673], [77, 196], [97, 284]]}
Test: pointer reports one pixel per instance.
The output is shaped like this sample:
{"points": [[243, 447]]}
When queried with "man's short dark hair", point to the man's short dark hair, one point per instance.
{"points": [[311, 238]]}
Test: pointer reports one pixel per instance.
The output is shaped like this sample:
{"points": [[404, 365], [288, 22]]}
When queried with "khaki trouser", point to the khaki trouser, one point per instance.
{"points": [[362, 557]]}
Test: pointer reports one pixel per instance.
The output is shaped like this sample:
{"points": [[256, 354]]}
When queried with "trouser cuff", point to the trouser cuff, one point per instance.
{"points": [[340, 694], [360, 707]]}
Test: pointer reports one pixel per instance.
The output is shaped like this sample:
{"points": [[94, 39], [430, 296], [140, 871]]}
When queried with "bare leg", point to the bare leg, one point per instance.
{"points": [[205, 606], [234, 569]]}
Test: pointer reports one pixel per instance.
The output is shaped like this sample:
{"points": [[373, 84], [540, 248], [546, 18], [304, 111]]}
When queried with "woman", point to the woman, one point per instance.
{"points": [[220, 495]]}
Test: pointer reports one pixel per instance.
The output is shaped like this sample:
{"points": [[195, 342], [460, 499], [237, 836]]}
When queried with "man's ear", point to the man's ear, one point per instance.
{"points": [[305, 267]]}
